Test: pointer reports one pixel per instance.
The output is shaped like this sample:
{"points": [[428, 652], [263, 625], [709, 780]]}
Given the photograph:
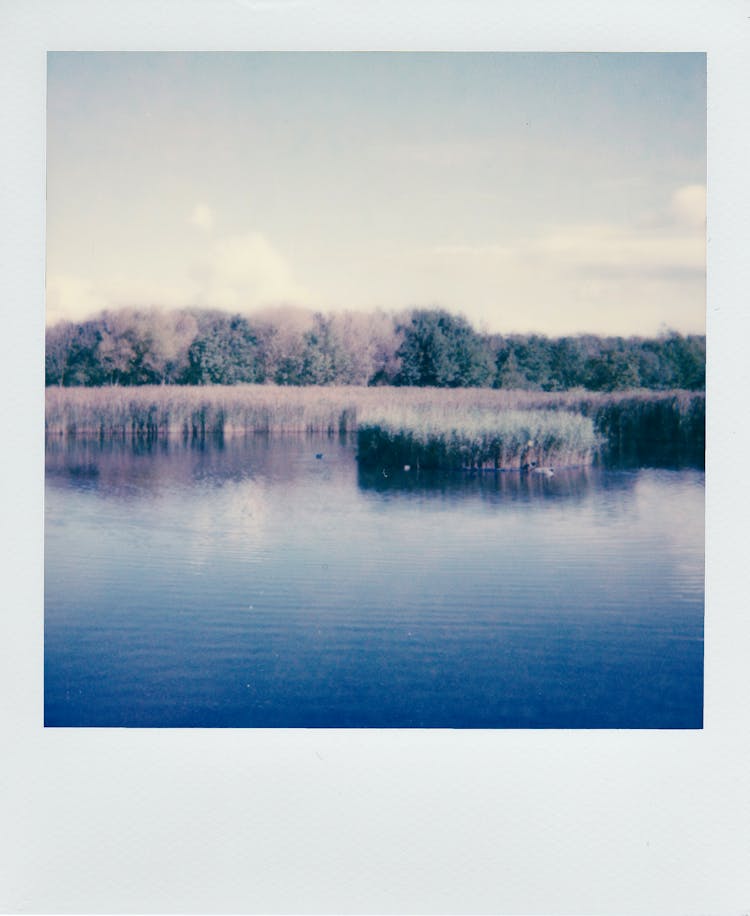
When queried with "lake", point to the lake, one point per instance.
{"points": [[247, 582]]}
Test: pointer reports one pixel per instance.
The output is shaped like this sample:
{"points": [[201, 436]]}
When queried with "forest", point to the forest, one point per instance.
{"points": [[420, 348]]}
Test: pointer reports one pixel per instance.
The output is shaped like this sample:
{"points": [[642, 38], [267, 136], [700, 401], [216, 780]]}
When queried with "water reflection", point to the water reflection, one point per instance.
{"points": [[266, 581], [126, 467], [654, 452], [146, 466], [490, 486]]}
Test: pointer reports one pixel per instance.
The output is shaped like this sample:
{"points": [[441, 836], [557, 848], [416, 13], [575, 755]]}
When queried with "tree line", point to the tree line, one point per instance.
{"points": [[421, 347]]}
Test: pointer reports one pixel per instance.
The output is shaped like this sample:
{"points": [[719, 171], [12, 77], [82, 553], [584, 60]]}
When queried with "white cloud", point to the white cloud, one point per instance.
{"points": [[74, 298], [238, 273], [489, 252], [684, 212], [244, 272], [610, 247], [688, 206], [202, 217], [592, 247], [71, 298], [602, 278]]}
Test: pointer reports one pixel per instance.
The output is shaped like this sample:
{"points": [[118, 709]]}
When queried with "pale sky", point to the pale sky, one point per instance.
{"points": [[554, 193]]}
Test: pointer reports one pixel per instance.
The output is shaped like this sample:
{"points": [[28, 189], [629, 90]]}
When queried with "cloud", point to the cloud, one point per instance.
{"points": [[598, 277], [238, 273], [71, 298], [75, 298], [591, 247], [688, 206], [667, 242], [605, 247], [683, 212], [244, 272], [202, 217], [489, 252]]}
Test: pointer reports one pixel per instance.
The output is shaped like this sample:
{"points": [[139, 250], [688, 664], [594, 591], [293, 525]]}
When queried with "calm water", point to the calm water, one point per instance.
{"points": [[253, 584]]}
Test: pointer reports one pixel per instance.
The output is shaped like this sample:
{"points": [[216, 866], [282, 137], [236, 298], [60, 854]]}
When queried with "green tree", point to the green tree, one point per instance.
{"points": [[60, 341], [568, 363], [614, 369], [686, 358], [120, 348], [509, 373], [223, 353], [83, 366], [324, 360], [443, 350], [524, 361]]}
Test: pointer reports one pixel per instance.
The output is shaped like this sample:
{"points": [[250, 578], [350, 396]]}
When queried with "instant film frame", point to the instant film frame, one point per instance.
{"points": [[314, 822]]}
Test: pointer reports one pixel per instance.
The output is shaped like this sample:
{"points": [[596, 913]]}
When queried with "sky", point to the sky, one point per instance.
{"points": [[548, 193]]}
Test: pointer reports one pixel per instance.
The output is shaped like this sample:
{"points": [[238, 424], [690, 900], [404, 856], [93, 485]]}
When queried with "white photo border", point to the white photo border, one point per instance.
{"points": [[306, 821]]}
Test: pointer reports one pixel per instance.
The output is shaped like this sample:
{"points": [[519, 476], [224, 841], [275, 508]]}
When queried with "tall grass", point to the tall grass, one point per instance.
{"points": [[198, 410], [625, 420], [477, 438]]}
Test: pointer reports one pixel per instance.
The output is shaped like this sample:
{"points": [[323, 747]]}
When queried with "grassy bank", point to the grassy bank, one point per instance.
{"points": [[628, 422], [477, 439]]}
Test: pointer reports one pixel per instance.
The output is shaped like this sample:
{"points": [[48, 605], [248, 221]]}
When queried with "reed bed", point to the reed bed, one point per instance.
{"points": [[476, 439], [198, 410], [622, 419], [269, 408]]}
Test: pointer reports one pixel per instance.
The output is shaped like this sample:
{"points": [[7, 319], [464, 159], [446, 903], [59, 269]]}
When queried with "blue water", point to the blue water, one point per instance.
{"points": [[250, 583]]}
